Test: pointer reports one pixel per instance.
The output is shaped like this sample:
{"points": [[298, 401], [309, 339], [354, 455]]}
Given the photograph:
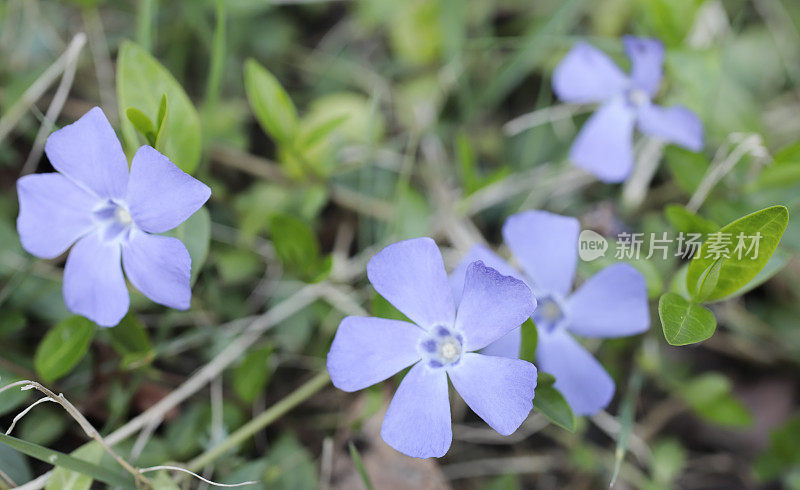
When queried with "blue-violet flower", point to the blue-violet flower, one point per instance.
{"points": [[440, 343], [604, 147], [612, 303], [111, 215]]}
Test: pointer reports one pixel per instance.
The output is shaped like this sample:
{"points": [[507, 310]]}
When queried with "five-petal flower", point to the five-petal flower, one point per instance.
{"points": [[440, 343], [604, 147], [111, 215], [612, 303]]}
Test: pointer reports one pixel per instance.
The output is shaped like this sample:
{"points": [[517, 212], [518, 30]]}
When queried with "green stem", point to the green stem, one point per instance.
{"points": [[144, 24], [264, 419], [217, 58]]}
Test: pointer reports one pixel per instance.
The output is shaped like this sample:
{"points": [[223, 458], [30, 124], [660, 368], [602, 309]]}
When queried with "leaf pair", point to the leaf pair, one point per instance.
{"points": [[721, 269]]}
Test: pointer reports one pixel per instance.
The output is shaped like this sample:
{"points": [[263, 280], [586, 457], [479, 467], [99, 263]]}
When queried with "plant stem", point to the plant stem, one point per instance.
{"points": [[217, 58], [264, 419], [144, 24]]}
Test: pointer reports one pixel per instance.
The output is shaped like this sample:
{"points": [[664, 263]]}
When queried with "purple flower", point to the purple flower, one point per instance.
{"points": [[111, 216], [612, 303], [440, 343], [604, 147]]}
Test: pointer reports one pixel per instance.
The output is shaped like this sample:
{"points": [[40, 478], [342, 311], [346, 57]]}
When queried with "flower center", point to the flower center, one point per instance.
{"points": [[549, 314], [114, 220], [442, 347], [637, 97], [123, 216]]}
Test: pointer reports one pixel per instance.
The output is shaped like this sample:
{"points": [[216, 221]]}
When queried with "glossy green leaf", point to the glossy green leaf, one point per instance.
{"points": [[251, 376], [63, 347], [684, 322], [271, 105], [741, 264], [142, 83], [551, 403], [195, 233]]}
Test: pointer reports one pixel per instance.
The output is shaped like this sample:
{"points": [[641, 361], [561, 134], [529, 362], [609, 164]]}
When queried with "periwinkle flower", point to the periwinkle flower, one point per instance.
{"points": [[112, 216], [612, 303], [604, 146], [441, 343]]}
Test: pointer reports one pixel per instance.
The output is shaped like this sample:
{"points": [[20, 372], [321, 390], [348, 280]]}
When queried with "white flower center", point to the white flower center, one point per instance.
{"points": [[549, 315], [123, 216], [442, 347], [638, 97], [450, 350]]}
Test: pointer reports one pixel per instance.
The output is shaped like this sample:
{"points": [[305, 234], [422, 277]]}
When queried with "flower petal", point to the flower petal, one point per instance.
{"points": [[509, 345], [418, 420], [88, 152], [93, 282], [604, 146], [612, 303], [675, 124], [546, 246], [53, 213], [498, 389], [160, 195], [586, 74], [367, 350], [647, 60], [489, 258], [584, 383], [492, 305], [411, 276], [159, 267]]}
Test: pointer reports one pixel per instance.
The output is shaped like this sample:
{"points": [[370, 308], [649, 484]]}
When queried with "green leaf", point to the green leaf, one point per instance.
{"points": [[63, 347], [143, 124], [684, 322], [668, 461], [162, 481], [530, 337], [131, 341], [742, 264], [64, 476], [551, 403], [296, 245], [708, 281], [783, 452], [784, 171], [359, 464], [686, 221], [775, 264], [253, 373], [15, 465], [161, 119], [687, 167], [271, 105], [710, 397], [142, 83], [195, 233]]}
